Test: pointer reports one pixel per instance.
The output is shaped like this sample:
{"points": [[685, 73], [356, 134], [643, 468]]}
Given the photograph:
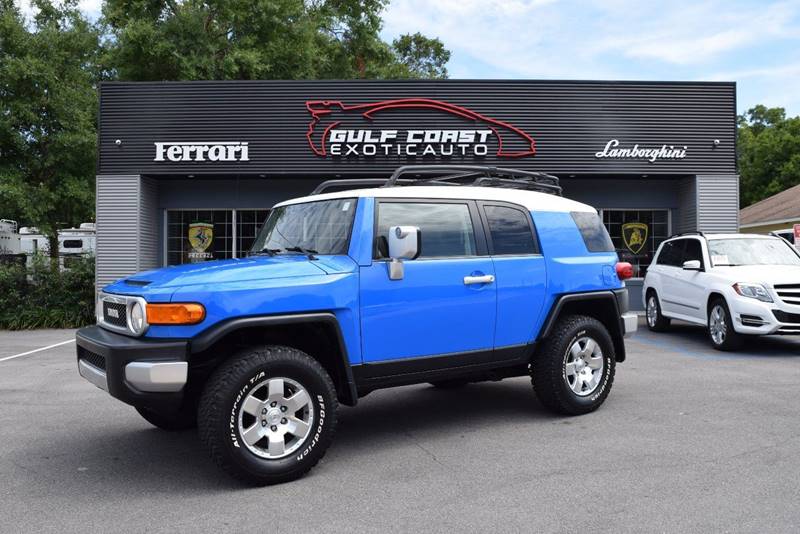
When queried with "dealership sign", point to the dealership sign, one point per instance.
{"points": [[613, 150], [341, 130], [202, 151]]}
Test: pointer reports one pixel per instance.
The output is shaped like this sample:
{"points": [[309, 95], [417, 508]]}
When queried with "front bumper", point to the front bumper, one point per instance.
{"points": [[137, 371], [754, 317]]}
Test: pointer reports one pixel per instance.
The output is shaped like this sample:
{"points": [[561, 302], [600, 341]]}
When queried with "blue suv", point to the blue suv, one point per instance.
{"points": [[443, 274]]}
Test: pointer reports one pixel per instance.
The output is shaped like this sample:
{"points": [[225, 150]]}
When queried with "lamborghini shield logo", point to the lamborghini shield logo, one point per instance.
{"points": [[200, 236], [635, 236]]}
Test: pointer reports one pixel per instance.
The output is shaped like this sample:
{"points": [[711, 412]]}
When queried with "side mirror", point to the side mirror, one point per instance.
{"points": [[691, 265], [405, 243]]}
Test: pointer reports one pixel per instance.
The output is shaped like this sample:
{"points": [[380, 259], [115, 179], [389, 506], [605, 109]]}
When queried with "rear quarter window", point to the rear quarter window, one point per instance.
{"points": [[594, 233]]}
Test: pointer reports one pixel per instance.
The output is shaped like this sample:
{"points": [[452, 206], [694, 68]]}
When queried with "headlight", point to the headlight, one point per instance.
{"points": [[137, 322], [753, 291]]}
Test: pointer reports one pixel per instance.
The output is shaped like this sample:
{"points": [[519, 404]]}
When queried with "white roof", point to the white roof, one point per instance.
{"points": [[531, 200]]}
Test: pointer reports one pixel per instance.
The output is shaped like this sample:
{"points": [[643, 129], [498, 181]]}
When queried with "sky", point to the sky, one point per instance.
{"points": [[754, 43]]}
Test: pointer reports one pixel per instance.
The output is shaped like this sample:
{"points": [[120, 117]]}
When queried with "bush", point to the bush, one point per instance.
{"points": [[41, 296]]}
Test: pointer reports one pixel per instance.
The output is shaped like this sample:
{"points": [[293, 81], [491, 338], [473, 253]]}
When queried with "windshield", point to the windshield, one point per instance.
{"points": [[321, 227], [756, 251]]}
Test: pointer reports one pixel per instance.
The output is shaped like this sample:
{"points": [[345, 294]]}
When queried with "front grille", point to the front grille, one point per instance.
{"points": [[789, 293], [785, 317], [114, 313], [92, 358]]}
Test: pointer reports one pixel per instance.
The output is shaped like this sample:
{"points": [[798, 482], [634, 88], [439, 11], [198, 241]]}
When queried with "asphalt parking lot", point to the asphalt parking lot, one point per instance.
{"points": [[690, 440]]}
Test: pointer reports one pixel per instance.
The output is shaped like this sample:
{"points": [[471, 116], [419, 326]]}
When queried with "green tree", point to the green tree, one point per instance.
{"points": [[48, 108], [769, 153], [261, 39]]}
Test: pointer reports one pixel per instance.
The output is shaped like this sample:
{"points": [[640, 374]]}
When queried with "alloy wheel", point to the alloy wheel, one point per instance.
{"points": [[584, 366], [716, 324], [652, 311], [275, 418]]}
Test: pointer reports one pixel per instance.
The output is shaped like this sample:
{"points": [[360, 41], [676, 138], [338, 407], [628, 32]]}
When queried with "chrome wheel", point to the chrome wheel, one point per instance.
{"points": [[716, 324], [584, 366], [652, 311], [275, 418]]}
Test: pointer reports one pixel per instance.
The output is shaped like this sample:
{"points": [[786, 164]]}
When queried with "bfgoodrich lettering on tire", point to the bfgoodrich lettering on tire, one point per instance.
{"points": [[268, 415], [573, 370]]}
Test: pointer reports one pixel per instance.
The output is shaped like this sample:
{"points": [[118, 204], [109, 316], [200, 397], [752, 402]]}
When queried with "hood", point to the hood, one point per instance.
{"points": [[222, 271], [762, 274]]}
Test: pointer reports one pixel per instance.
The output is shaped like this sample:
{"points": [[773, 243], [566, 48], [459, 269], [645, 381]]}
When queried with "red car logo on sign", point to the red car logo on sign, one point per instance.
{"points": [[327, 115]]}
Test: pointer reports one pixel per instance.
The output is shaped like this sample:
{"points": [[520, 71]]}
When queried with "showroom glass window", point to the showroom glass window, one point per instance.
{"points": [[248, 223], [203, 235], [636, 235]]}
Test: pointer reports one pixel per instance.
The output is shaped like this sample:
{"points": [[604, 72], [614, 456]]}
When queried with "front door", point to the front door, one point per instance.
{"points": [[441, 306]]}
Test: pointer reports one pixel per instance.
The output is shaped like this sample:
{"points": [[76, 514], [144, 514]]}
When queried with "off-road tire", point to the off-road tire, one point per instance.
{"points": [[231, 383], [733, 340], [454, 383], [183, 419], [661, 323], [548, 371]]}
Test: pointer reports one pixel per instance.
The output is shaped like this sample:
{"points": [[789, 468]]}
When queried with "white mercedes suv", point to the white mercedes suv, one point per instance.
{"points": [[734, 284]]}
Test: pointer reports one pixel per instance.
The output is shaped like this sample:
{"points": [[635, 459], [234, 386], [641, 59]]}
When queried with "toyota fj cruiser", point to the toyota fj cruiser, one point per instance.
{"points": [[444, 274]]}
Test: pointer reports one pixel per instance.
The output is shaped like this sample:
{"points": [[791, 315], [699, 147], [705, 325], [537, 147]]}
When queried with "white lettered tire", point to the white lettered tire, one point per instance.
{"points": [[268, 415]]}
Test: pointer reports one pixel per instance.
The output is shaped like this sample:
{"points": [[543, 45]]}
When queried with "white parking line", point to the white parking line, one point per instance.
{"points": [[36, 350]]}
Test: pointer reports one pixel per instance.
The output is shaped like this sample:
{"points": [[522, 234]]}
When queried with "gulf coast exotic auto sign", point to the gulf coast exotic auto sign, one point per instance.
{"points": [[345, 130]]}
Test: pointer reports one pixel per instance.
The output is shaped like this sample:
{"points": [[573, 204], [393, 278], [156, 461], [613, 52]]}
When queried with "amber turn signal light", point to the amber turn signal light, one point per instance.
{"points": [[187, 313], [624, 270]]}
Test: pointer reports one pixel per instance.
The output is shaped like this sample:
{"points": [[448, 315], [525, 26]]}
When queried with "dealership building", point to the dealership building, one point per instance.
{"points": [[187, 171]]}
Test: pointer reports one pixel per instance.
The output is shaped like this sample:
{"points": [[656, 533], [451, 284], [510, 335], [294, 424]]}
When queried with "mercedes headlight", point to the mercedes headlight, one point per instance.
{"points": [[753, 291]]}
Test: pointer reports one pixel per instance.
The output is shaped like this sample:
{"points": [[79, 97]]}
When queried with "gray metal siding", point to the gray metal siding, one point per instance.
{"points": [[117, 219], [718, 203], [148, 225], [686, 215], [570, 122]]}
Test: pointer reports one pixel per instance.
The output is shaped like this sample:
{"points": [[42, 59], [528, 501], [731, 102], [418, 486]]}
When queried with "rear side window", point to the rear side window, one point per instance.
{"points": [[593, 232], [671, 254], [510, 231]]}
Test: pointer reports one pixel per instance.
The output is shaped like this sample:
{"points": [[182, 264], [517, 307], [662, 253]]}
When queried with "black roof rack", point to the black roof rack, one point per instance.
{"points": [[682, 234], [456, 175]]}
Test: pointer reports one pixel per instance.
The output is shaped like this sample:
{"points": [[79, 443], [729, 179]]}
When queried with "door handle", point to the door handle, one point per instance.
{"points": [[485, 279]]}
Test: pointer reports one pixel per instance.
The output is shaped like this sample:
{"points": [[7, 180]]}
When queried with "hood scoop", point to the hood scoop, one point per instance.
{"points": [[138, 283]]}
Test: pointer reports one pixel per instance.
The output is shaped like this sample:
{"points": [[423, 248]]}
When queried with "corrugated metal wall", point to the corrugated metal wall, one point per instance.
{"points": [[570, 122], [718, 203], [117, 219], [686, 214], [148, 225]]}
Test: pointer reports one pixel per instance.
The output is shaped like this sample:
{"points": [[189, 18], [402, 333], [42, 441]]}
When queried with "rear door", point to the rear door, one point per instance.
{"points": [[438, 308], [520, 274]]}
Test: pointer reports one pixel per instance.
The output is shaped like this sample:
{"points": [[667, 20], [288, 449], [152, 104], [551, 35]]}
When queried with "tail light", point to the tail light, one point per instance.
{"points": [[624, 270]]}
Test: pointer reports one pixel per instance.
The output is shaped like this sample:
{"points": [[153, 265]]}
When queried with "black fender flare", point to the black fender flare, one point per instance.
{"points": [[208, 337], [619, 301]]}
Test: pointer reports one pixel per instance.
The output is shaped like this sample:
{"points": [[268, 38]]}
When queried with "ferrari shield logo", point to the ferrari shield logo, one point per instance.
{"points": [[635, 236], [200, 236]]}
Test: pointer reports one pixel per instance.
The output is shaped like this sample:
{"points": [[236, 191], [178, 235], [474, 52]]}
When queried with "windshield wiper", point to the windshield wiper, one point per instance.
{"points": [[266, 252], [307, 251]]}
